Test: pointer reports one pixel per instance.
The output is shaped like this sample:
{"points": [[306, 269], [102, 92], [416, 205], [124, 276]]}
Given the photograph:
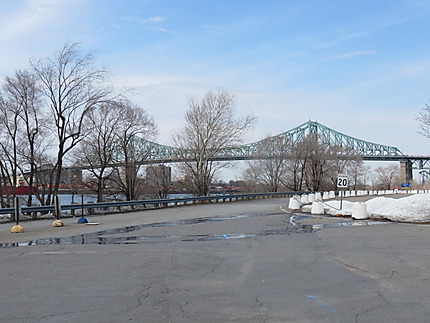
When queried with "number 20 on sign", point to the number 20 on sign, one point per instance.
{"points": [[342, 181]]}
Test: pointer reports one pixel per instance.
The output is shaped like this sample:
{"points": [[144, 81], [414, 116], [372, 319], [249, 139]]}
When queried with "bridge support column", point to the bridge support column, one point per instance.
{"points": [[406, 170]]}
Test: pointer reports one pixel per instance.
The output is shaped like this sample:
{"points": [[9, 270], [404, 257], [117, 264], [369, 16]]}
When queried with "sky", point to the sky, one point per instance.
{"points": [[360, 67]]}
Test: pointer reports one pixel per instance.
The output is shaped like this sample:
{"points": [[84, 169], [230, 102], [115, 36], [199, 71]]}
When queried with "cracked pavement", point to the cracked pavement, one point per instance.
{"points": [[253, 267]]}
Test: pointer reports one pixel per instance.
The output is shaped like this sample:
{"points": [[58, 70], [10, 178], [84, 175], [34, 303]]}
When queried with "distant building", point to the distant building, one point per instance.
{"points": [[160, 174], [71, 176]]}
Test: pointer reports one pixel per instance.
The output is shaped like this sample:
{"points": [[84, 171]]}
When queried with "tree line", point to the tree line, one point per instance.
{"points": [[62, 110]]}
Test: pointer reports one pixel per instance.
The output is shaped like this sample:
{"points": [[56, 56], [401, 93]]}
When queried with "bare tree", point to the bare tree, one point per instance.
{"points": [[357, 173], [296, 166], [44, 177], [5, 196], [272, 166], [387, 176], [97, 150], [72, 87], [24, 137], [307, 161], [424, 121], [314, 161], [316, 164], [325, 162], [10, 111], [210, 126], [252, 176], [24, 94], [132, 148], [158, 180]]}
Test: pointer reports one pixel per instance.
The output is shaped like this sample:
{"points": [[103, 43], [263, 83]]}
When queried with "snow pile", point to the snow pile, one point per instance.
{"points": [[415, 208]]}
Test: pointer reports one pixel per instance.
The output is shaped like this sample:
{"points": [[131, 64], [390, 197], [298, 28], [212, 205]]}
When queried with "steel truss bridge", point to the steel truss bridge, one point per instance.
{"points": [[350, 147]]}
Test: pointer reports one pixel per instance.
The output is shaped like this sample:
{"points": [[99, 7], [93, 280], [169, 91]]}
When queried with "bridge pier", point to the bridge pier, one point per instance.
{"points": [[406, 170]]}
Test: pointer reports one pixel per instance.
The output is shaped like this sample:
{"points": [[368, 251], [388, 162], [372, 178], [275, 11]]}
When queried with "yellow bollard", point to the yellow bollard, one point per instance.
{"points": [[58, 223], [17, 229]]}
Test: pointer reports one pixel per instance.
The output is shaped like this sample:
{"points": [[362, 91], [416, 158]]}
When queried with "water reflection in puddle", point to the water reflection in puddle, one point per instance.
{"points": [[83, 239], [104, 237], [108, 236], [295, 218]]}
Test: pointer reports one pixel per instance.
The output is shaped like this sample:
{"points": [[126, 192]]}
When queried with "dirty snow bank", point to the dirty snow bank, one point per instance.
{"points": [[415, 208]]}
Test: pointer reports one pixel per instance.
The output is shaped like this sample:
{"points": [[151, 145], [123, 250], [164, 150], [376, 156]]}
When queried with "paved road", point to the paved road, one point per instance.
{"points": [[238, 262]]}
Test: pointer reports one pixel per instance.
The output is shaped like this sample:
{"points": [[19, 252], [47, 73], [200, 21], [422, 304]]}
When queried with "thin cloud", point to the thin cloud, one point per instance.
{"points": [[352, 54], [394, 19], [342, 39], [163, 30], [31, 16], [155, 19], [151, 20], [399, 72]]}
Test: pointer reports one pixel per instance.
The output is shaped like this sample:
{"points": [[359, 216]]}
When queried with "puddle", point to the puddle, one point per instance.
{"points": [[106, 237], [343, 223], [82, 239]]}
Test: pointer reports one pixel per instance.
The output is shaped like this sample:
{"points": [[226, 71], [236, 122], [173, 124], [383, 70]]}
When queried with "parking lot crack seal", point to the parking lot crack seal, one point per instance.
{"points": [[263, 310], [61, 314], [352, 267], [357, 317], [214, 267], [258, 301]]}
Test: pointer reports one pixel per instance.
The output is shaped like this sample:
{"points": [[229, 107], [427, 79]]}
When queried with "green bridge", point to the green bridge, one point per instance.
{"points": [[350, 147]]}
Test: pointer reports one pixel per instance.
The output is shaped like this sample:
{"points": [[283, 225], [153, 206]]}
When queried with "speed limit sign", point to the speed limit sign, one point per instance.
{"points": [[342, 181]]}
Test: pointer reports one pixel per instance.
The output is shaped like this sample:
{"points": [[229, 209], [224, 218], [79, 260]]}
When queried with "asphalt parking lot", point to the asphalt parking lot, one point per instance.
{"points": [[236, 262]]}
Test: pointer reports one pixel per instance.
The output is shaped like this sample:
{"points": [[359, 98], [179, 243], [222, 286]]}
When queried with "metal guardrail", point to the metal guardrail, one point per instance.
{"points": [[157, 203]]}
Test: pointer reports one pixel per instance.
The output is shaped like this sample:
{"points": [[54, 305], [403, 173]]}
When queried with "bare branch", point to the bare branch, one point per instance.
{"points": [[210, 126]]}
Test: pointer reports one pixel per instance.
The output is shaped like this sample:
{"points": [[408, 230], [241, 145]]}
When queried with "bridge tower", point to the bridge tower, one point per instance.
{"points": [[406, 170]]}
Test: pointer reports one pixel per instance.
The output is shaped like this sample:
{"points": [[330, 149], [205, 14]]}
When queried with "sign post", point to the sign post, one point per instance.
{"points": [[342, 182]]}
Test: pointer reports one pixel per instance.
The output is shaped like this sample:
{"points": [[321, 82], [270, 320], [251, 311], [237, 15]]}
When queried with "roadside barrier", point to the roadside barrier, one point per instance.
{"points": [[304, 199], [359, 211], [124, 206], [294, 203], [317, 207]]}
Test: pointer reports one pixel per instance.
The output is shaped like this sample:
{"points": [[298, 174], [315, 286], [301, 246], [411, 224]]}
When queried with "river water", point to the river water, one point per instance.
{"points": [[66, 199]]}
